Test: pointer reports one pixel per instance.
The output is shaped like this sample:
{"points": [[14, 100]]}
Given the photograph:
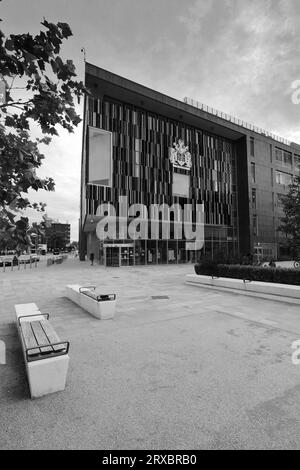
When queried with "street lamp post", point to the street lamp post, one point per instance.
{"points": [[35, 236]]}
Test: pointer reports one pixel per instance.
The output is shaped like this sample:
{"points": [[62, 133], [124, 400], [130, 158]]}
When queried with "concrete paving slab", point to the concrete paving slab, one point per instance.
{"points": [[202, 370]]}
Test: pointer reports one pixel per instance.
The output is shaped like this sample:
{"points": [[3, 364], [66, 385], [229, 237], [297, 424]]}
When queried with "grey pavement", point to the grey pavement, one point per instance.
{"points": [[200, 369]]}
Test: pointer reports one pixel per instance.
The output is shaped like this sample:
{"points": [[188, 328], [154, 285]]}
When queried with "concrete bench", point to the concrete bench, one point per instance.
{"points": [[46, 356], [72, 292], [101, 306], [23, 309]]}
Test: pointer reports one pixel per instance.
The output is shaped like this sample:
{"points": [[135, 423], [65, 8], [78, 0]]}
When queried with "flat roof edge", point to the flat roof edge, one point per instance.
{"points": [[155, 95]]}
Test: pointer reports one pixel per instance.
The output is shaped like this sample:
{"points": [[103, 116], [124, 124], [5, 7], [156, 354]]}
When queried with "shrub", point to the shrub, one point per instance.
{"points": [[252, 273], [208, 268]]}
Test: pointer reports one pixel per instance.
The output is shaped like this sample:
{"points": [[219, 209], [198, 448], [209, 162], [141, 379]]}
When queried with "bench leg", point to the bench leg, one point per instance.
{"points": [[47, 375]]}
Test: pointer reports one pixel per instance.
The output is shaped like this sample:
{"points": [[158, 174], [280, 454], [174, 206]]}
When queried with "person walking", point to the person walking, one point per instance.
{"points": [[92, 256]]}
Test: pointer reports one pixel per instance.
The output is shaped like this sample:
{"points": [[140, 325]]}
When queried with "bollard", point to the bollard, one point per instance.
{"points": [[30, 262], [35, 262], [11, 268], [18, 265]]}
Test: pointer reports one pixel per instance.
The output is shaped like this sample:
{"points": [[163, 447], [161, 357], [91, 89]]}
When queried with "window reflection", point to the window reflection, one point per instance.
{"points": [[181, 185], [99, 157]]}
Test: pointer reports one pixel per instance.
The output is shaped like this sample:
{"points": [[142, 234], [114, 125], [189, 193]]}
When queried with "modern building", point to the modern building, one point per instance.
{"points": [[155, 149], [57, 234]]}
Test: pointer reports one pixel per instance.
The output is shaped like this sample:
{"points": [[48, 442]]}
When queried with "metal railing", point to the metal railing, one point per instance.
{"points": [[234, 120], [10, 265]]}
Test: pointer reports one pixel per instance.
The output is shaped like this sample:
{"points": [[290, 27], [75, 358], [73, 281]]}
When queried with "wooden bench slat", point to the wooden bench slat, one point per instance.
{"points": [[46, 367], [29, 338], [41, 337], [52, 336]]}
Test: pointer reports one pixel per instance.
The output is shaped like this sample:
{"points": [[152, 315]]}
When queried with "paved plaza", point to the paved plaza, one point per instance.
{"points": [[179, 367]]}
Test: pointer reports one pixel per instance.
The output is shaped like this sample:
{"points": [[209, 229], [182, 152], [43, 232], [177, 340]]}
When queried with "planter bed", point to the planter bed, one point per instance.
{"points": [[269, 288]]}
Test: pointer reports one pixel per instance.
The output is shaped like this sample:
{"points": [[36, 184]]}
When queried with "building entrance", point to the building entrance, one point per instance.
{"points": [[118, 255], [112, 256]]}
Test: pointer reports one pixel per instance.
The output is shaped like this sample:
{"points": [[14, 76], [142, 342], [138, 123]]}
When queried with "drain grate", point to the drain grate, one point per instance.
{"points": [[160, 297]]}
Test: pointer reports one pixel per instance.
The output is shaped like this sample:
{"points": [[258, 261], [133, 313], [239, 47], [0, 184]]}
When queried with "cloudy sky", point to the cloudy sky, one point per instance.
{"points": [[235, 55]]}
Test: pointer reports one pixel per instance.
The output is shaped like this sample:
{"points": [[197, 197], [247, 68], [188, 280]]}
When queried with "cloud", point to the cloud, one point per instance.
{"points": [[234, 55], [63, 158], [244, 56]]}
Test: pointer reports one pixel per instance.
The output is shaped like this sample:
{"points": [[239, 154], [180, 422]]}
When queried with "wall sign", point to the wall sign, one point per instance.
{"points": [[180, 156]]}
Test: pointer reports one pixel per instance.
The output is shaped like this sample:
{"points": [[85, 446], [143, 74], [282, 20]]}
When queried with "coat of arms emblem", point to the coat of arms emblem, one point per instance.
{"points": [[180, 156]]}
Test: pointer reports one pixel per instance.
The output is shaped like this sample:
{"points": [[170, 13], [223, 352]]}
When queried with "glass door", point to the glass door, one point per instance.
{"points": [[124, 256], [112, 256]]}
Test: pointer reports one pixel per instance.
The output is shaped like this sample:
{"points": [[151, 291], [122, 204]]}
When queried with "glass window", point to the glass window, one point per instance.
{"points": [[279, 199], [253, 199], [255, 231], [278, 154], [137, 171], [272, 177], [287, 159], [252, 146], [137, 164], [100, 156], [283, 178], [253, 172], [181, 185], [297, 163], [138, 146], [137, 158], [283, 157]]}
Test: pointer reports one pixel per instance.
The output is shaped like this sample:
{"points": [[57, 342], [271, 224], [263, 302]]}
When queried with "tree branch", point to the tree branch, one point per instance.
{"points": [[15, 104], [12, 82]]}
